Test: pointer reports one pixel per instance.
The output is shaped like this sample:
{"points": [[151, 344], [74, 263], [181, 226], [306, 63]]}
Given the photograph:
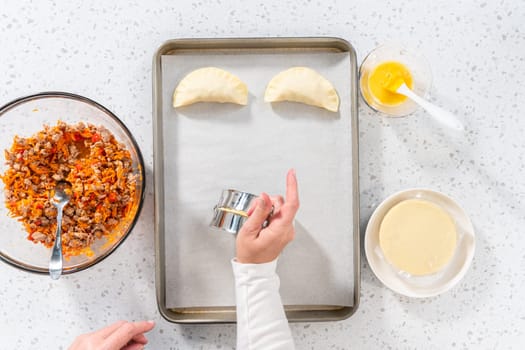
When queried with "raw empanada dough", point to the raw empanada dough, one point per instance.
{"points": [[210, 84], [305, 85], [418, 237]]}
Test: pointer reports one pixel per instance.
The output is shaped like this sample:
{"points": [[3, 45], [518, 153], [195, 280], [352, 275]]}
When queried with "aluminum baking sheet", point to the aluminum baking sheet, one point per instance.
{"points": [[205, 148]]}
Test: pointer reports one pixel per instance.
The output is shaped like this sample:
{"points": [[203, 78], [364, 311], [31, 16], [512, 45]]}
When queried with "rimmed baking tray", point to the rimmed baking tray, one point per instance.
{"points": [[183, 139]]}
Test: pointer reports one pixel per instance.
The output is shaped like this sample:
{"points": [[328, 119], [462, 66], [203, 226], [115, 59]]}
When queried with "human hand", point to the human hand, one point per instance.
{"points": [[257, 245], [121, 335]]}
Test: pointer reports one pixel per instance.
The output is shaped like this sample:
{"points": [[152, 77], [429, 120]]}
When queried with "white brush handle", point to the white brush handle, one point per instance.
{"points": [[441, 115]]}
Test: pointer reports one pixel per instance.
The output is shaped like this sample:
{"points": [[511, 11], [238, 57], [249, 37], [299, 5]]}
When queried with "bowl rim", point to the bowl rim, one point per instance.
{"points": [[60, 94]]}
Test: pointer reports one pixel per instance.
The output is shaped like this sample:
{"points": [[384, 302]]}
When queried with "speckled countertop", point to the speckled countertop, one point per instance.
{"points": [[477, 53]]}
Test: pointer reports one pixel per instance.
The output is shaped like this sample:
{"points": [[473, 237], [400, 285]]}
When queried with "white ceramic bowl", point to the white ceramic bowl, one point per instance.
{"points": [[421, 286]]}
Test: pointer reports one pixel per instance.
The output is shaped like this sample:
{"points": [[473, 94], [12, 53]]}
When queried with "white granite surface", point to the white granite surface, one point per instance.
{"points": [[104, 50]]}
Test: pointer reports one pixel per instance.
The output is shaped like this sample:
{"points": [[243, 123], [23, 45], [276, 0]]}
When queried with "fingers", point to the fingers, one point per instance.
{"points": [[140, 338], [252, 208], [292, 193], [106, 331], [123, 334], [253, 225], [258, 214], [277, 202]]}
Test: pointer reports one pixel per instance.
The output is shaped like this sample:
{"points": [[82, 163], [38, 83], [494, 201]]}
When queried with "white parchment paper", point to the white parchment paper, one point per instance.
{"points": [[209, 147]]}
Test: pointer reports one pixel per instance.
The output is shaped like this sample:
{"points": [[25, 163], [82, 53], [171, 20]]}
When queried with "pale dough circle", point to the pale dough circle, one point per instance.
{"points": [[418, 237]]}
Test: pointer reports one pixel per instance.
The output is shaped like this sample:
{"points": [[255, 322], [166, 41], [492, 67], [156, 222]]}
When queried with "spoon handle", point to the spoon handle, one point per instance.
{"points": [[55, 263], [441, 115]]}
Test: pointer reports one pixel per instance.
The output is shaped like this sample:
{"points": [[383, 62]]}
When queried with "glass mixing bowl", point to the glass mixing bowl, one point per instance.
{"points": [[414, 62], [25, 117]]}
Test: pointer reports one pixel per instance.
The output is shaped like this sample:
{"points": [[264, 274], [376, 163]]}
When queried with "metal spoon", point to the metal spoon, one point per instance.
{"points": [[60, 199]]}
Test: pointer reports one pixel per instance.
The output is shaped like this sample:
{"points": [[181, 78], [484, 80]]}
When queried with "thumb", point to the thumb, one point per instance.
{"points": [[253, 225]]}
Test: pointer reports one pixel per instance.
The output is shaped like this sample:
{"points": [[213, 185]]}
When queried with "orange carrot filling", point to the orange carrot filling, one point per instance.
{"points": [[99, 169]]}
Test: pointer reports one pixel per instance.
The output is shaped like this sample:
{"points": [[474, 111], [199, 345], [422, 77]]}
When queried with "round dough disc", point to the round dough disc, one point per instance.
{"points": [[418, 237]]}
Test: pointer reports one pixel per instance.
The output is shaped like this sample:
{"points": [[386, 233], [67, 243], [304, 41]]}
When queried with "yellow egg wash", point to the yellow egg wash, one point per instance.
{"points": [[382, 78]]}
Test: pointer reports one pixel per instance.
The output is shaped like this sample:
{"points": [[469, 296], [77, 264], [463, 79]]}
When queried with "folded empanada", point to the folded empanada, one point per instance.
{"points": [[210, 84], [305, 85]]}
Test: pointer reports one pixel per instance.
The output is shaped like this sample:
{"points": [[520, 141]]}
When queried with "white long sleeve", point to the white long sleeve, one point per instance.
{"points": [[261, 321]]}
